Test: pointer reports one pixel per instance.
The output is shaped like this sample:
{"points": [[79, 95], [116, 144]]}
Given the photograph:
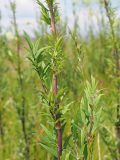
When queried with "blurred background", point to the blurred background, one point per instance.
{"points": [[87, 12]]}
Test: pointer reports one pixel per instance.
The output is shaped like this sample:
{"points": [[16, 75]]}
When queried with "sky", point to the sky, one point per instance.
{"points": [[28, 11]]}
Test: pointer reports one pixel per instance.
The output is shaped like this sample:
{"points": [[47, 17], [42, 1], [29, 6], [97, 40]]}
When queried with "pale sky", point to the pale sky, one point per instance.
{"points": [[28, 10]]}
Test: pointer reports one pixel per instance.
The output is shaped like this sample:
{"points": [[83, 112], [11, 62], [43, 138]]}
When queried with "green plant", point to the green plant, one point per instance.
{"points": [[115, 50], [4, 96], [54, 98], [0, 21], [21, 110], [48, 61], [85, 126]]}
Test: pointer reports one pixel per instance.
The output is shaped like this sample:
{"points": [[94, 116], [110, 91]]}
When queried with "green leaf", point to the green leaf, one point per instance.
{"points": [[45, 13], [41, 5], [66, 141], [97, 122], [74, 130], [28, 41], [59, 43], [85, 152], [49, 134], [45, 17], [66, 107], [49, 149], [39, 54], [36, 46], [67, 156]]}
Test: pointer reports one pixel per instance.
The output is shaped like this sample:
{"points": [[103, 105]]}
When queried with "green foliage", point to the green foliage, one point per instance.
{"points": [[46, 59], [13, 6], [45, 13], [87, 121], [109, 140], [48, 141], [81, 108]]}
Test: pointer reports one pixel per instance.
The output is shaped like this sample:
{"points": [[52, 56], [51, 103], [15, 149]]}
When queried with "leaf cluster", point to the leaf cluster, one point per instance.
{"points": [[88, 119], [45, 12]]}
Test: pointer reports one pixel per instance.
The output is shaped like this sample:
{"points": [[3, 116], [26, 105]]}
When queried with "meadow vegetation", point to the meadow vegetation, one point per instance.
{"points": [[60, 90]]}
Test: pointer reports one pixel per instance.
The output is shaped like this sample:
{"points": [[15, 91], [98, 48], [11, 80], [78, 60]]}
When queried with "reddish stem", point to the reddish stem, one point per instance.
{"points": [[55, 89]]}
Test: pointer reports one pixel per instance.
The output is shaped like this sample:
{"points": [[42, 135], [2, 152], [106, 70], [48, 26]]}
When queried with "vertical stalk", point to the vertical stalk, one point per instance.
{"points": [[20, 81], [55, 86], [99, 151], [117, 74], [90, 137], [2, 134], [0, 22]]}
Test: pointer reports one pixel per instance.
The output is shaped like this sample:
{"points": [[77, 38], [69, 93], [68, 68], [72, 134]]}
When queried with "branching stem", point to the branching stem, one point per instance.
{"points": [[55, 86]]}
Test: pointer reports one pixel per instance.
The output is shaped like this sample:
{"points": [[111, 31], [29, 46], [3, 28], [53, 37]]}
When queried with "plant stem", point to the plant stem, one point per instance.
{"points": [[51, 8], [99, 151], [0, 22], [20, 80], [55, 87], [116, 57], [2, 134]]}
